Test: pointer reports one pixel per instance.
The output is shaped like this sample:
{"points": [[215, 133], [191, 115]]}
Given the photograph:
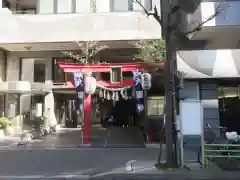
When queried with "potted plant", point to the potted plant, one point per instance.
{"points": [[4, 124]]}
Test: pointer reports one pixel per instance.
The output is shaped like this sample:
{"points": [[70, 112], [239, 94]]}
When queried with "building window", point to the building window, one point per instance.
{"points": [[64, 6], [81, 6], [121, 5], [5, 4], [155, 106], [148, 4], [58, 74], [36, 99], [224, 91], [27, 10], [46, 6], [39, 71]]}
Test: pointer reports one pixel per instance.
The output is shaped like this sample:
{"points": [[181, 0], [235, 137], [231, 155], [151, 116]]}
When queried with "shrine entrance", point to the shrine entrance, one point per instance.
{"points": [[110, 117]]}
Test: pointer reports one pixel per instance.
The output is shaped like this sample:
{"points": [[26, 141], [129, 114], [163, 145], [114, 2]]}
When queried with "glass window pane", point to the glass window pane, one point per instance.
{"points": [[155, 106], [59, 75], [227, 92], [39, 72], [45, 6], [64, 6], [82, 6], [121, 5]]}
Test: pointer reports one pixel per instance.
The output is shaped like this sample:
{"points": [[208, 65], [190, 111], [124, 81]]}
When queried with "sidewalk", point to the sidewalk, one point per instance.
{"points": [[9, 141], [173, 175], [107, 138]]}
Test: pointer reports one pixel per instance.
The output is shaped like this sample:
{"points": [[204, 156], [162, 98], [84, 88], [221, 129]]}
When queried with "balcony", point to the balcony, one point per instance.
{"points": [[226, 25], [59, 28], [24, 87]]}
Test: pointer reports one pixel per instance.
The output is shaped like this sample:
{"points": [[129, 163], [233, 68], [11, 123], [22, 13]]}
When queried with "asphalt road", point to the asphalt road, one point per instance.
{"points": [[69, 162], [92, 163]]}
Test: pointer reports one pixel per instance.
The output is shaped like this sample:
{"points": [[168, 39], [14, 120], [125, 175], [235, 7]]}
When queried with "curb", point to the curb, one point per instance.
{"points": [[155, 146]]}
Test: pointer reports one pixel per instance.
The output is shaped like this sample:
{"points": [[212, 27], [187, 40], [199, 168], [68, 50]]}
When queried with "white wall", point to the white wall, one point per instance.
{"points": [[66, 27]]}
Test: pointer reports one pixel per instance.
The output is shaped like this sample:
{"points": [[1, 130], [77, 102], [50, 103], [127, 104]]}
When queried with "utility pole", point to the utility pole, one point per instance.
{"points": [[168, 34]]}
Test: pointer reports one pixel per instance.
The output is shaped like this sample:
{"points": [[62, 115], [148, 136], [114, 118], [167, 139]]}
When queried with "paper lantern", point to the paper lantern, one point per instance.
{"points": [[90, 85], [146, 81]]}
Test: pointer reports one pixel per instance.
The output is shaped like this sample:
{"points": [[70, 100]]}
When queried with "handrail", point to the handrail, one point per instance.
{"points": [[224, 151], [222, 145]]}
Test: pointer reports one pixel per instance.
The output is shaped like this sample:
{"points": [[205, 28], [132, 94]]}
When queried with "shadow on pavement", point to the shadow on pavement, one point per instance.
{"points": [[118, 137], [100, 137]]}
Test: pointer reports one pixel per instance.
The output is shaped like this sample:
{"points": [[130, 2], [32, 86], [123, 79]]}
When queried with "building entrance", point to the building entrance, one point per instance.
{"points": [[66, 111]]}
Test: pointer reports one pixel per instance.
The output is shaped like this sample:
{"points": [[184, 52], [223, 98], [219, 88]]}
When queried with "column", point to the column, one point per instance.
{"points": [[87, 115], [12, 74], [27, 75], [49, 97], [2, 79], [2, 66], [48, 70], [87, 119], [13, 63], [12, 102]]}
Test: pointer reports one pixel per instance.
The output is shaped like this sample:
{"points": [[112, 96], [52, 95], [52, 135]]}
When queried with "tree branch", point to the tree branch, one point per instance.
{"points": [[175, 9], [88, 50], [218, 11], [154, 13]]}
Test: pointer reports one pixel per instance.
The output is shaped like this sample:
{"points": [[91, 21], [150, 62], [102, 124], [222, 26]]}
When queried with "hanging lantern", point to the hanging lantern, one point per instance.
{"points": [[116, 97], [108, 95], [90, 84], [146, 81], [100, 93]]}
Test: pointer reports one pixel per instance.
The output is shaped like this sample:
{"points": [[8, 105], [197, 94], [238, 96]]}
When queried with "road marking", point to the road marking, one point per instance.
{"points": [[45, 177]]}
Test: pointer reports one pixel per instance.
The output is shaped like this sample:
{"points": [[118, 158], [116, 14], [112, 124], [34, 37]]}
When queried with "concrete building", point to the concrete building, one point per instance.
{"points": [[34, 34], [212, 68]]}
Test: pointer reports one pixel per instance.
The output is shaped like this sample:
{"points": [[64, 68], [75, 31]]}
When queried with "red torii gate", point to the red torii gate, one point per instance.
{"points": [[73, 67]]}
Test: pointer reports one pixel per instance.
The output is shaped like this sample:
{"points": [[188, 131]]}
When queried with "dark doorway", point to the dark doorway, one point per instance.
{"points": [[229, 113]]}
